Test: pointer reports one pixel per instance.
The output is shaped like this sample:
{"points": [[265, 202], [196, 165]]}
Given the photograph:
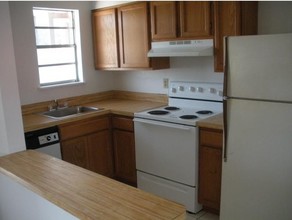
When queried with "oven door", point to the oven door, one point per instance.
{"points": [[167, 150]]}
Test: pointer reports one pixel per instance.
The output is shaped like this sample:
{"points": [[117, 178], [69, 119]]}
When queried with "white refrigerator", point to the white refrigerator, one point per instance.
{"points": [[257, 163]]}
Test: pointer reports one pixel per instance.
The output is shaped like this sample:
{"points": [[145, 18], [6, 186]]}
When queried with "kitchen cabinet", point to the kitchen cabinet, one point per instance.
{"points": [[232, 18], [124, 149], [87, 143], [121, 38], [210, 167], [181, 20], [105, 37]]}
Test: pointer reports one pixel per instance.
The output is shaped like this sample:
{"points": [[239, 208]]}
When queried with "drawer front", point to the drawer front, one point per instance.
{"points": [[123, 123], [83, 127], [211, 137]]}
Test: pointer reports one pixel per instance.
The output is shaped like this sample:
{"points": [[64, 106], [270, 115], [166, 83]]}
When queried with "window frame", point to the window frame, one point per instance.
{"points": [[76, 45]]}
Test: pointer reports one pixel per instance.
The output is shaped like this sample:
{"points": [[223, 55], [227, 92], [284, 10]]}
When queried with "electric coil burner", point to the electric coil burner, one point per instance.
{"points": [[204, 112], [158, 112], [188, 117], [171, 108], [166, 141]]}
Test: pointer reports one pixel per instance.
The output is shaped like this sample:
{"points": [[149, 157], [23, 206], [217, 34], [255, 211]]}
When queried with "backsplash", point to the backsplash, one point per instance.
{"points": [[199, 69]]}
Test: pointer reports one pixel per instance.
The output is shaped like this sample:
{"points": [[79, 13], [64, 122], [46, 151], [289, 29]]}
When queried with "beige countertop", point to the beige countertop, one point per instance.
{"points": [[82, 193], [115, 106], [215, 122]]}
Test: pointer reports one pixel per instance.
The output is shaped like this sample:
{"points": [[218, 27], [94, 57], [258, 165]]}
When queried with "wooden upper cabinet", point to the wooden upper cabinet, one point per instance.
{"points": [[181, 20], [163, 20], [134, 39], [195, 19], [105, 37], [121, 38], [231, 19]]}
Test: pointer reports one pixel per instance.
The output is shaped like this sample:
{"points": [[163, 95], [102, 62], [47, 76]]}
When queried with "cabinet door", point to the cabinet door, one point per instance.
{"points": [[195, 19], [227, 23], [124, 151], [74, 151], [133, 36], [232, 19], [210, 178], [210, 168], [104, 27], [163, 20], [100, 155]]}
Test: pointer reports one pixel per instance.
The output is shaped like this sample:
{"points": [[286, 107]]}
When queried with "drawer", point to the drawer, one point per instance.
{"points": [[83, 127], [123, 123], [211, 137]]}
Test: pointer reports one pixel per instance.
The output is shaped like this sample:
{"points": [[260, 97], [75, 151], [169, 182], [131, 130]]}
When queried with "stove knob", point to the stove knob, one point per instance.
{"points": [[212, 90], [220, 93], [181, 88], [192, 89], [199, 89], [173, 90]]}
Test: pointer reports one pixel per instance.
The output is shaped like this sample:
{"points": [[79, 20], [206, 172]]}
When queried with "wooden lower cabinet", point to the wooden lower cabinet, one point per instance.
{"points": [[210, 168], [124, 149], [87, 143]]}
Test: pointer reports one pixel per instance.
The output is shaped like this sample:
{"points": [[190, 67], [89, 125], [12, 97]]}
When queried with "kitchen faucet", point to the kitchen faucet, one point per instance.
{"points": [[55, 105]]}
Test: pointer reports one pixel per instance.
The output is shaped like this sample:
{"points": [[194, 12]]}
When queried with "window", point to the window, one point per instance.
{"points": [[58, 46]]}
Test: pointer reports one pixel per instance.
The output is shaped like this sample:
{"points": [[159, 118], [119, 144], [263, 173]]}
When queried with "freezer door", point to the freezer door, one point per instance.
{"points": [[259, 67], [257, 176]]}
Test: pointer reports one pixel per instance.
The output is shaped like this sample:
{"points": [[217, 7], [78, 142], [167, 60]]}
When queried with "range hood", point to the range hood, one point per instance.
{"points": [[181, 48]]}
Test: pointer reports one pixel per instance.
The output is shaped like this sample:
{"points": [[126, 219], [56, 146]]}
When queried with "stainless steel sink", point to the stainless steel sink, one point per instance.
{"points": [[69, 111]]}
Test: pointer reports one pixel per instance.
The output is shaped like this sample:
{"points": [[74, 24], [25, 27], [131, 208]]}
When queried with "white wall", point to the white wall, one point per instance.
{"points": [[186, 68], [18, 202], [11, 127], [26, 60], [275, 17]]}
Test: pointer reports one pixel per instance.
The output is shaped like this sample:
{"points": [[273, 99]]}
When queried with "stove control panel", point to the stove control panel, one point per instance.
{"points": [[196, 90]]}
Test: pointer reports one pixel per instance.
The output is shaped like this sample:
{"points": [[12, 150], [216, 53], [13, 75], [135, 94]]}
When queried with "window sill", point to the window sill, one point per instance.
{"points": [[61, 85]]}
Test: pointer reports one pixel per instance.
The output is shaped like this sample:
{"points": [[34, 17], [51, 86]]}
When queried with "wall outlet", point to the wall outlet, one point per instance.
{"points": [[165, 83]]}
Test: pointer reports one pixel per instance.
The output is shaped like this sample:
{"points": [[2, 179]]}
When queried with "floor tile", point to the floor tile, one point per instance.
{"points": [[209, 216], [202, 215]]}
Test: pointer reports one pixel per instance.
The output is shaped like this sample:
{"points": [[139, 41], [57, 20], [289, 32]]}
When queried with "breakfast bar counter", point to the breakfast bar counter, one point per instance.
{"points": [[82, 193]]}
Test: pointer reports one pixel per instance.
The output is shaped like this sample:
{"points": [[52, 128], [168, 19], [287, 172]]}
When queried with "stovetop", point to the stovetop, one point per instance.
{"points": [[183, 115], [188, 103]]}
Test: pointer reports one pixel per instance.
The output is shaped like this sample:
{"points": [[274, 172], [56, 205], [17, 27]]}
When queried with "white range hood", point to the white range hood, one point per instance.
{"points": [[181, 48]]}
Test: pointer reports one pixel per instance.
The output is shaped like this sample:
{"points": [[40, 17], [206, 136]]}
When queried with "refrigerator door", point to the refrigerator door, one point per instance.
{"points": [[259, 67], [257, 177]]}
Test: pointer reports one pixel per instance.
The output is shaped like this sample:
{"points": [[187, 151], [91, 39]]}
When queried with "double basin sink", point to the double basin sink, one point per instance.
{"points": [[70, 111]]}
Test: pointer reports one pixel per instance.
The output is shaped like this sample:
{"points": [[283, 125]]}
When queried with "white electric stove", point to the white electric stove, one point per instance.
{"points": [[166, 141]]}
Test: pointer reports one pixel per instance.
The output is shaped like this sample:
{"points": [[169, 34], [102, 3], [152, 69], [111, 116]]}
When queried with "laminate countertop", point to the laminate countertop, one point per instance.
{"points": [[82, 193], [123, 107], [215, 122]]}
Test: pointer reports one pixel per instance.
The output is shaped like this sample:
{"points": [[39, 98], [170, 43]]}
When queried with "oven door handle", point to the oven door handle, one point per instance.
{"points": [[163, 124]]}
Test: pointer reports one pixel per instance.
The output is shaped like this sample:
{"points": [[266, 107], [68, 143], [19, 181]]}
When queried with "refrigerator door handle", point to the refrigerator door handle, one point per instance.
{"points": [[225, 99]]}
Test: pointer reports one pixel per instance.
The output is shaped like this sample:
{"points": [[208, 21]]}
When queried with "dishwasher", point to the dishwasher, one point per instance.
{"points": [[44, 140]]}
